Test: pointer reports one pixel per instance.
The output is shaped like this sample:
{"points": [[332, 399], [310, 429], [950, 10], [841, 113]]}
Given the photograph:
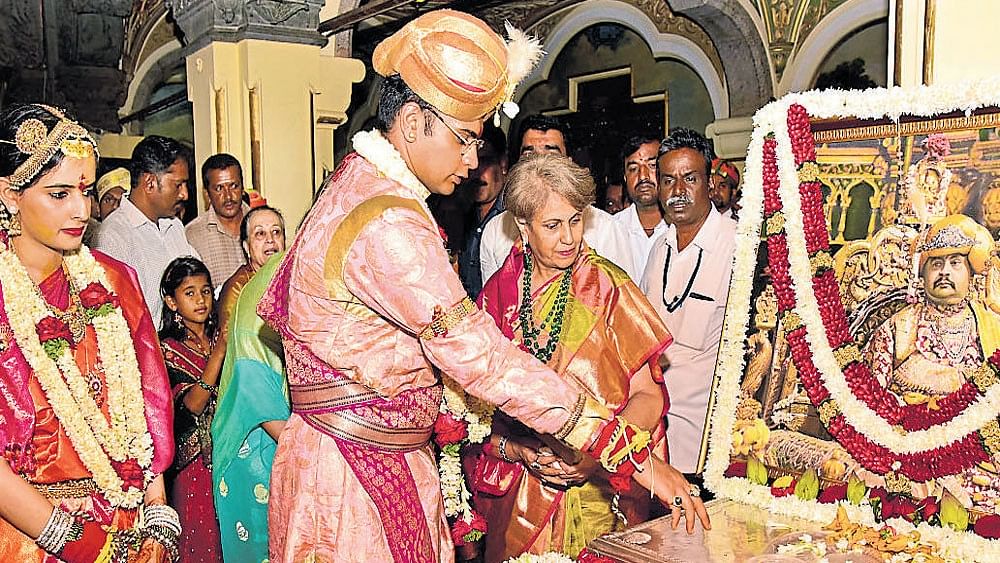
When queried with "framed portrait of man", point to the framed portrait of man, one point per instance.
{"points": [[857, 376]]}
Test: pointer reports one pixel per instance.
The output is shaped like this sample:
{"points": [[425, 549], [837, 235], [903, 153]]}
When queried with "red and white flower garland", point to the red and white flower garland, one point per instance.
{"points": [[873, 425], [922, 443]]}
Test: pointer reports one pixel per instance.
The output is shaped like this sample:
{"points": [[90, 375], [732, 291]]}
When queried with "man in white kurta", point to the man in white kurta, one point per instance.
{"points": [[687, 281], [696, 325], [643, 220]]}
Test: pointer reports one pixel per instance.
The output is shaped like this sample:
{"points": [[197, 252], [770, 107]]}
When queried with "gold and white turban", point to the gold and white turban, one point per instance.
{"points": [[457, 63], [957, 234]]}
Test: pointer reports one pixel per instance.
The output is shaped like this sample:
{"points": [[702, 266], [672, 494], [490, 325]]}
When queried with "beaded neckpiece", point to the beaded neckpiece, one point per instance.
{"points": [[553, 320]]}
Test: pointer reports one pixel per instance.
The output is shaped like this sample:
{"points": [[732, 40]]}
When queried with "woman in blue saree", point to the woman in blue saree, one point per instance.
{"points": [[252, 409]]}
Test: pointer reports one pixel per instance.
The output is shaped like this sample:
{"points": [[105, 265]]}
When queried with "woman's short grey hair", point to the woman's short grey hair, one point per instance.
{"points": [[534, 178]]}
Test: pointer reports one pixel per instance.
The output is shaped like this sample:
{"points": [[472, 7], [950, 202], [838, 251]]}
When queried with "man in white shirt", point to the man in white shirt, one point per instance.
{"points": [[539, 135], [143, 232], [687, 281], [643, 221]]}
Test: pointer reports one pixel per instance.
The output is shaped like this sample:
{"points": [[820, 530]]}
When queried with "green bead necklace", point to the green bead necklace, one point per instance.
{"points": [[554, 320]]}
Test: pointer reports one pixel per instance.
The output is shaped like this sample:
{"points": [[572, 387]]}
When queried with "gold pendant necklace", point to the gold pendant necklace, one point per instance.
{"points": [[73, 315]]}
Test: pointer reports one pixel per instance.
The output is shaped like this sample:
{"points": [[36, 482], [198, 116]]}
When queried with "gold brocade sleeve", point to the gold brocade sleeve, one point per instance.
{"points": [[581, 429]]}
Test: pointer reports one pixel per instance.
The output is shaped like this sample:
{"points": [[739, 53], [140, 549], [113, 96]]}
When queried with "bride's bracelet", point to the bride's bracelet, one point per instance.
{"points": [[58, 530], [161, 524]]}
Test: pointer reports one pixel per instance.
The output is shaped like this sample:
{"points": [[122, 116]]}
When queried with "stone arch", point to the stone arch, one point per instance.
{"points": [[737, 32], [593, 12], [152, 68], [831, 30]]}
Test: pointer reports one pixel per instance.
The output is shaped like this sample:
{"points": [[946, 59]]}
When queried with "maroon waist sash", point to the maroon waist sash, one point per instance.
{"points": [[373, 433]]}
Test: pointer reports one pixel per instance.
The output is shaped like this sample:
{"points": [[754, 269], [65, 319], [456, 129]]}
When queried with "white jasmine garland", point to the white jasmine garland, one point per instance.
{"points": [[478, 417], [855, 411], [731, 361], [377, 150], [96, 440]]}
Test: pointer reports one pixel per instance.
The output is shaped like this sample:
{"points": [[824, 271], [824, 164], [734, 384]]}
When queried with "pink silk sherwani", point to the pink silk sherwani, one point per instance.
{"points": [[367, 274]]}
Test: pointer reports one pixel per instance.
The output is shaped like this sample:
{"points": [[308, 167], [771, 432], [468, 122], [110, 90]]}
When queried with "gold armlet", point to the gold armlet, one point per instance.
{"points": [[442, 321]]}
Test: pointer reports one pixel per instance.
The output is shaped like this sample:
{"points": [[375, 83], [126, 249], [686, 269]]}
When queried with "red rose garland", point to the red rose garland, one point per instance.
{"points": [[945, 460]]}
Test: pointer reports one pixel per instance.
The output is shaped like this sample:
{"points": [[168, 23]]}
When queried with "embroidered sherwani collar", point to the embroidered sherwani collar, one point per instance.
{"points": [[377, 150]]}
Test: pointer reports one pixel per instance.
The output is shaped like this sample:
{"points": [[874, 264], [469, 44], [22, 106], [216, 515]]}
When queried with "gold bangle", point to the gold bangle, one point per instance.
{"points": [[574, 417]]}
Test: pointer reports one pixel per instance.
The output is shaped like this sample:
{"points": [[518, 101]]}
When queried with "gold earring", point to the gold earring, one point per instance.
{"points": [[14, 226]]}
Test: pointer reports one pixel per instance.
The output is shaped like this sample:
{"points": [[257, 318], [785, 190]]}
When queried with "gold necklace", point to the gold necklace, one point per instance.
{"points": [[193, 339], [73, 315]]}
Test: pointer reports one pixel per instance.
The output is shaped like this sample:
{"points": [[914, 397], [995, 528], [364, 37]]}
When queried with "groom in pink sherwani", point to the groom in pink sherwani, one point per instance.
{"points": [[369, 309]]}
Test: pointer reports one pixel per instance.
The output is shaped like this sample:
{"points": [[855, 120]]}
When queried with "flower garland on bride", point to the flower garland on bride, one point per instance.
{"points": [[117, 449], [782, 203]]}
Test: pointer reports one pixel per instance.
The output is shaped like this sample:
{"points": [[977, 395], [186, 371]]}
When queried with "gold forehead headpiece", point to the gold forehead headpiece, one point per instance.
{"points": [[34, 139]]}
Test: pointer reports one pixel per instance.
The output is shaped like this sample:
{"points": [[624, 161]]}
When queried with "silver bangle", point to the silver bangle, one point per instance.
{"points": [[164, 537], [56, 532], [502, 450], [163, 516]]}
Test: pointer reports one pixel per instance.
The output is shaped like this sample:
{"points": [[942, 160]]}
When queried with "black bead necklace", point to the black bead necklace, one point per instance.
{"points": [[554, 320], [676, 302]]}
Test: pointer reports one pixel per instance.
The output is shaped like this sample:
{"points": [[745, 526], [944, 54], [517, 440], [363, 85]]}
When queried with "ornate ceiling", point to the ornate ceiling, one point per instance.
{"points": [[80, 53]]}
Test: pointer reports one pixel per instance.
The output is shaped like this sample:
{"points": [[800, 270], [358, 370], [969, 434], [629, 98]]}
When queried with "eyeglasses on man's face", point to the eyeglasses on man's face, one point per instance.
{"points": [[466, 142]]}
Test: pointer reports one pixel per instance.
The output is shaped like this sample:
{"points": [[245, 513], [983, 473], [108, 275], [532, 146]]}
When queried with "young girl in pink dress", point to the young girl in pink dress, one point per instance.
{"points": [[193, 350]]}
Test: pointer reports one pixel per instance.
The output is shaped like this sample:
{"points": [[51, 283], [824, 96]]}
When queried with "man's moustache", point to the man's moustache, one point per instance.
{"points": [[682, 199], [942, 282]]}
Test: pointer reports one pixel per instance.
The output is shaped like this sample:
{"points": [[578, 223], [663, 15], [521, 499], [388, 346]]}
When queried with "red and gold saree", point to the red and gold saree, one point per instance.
{"points": [[609, 332]]}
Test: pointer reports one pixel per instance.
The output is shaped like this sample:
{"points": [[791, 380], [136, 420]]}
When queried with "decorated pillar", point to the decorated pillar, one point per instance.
{"points": [[262, 90], [938, 41]]}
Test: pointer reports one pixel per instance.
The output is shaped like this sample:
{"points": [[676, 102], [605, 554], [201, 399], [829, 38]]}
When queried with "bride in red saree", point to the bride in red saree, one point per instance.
{"points": [[85, 409]]}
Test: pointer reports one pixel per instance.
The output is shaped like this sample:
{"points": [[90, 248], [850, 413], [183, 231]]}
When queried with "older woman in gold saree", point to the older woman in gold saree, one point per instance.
{"points": [[583, 317], [262, 234]]}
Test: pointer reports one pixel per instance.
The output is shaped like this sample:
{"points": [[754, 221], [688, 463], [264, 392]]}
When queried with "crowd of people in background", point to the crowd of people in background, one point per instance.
{"points": [[613, 295], [672, 232]]}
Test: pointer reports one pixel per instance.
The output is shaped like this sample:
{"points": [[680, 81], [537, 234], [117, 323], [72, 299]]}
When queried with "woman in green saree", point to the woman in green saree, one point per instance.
{"points": [[252, 409]]}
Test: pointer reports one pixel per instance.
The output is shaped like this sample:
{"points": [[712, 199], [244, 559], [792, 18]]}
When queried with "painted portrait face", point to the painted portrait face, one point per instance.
{"points": [[946, 279]]}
